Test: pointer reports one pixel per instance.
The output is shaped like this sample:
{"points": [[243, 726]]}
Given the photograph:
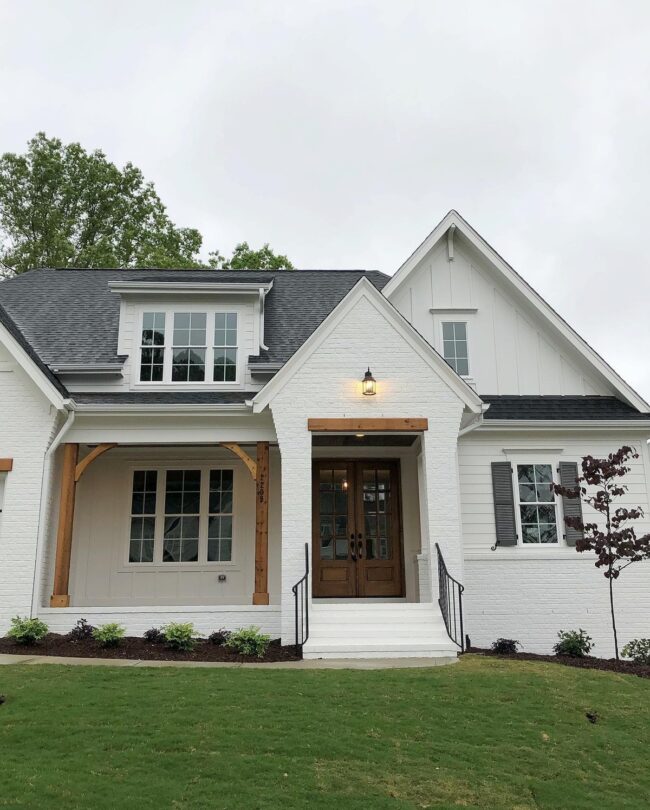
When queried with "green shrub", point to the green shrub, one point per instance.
{"points": [[573, 642], [505, 646], [248, 641], [179, 636], [638, 650], [109, 635], [27, 631]]}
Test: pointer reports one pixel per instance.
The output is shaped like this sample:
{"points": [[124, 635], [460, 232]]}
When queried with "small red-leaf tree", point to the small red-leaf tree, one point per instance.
{"points": [[614, 540]]}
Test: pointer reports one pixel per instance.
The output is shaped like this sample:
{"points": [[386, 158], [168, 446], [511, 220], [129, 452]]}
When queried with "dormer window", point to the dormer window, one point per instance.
{"points": [[225, 346], [152, 352], [175, 348], [188, 350]]}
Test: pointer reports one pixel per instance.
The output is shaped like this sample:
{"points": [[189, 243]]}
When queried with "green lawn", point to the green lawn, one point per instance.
{"points": [[484, 733]]}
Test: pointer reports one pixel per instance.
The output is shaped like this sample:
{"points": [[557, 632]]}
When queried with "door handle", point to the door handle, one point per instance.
{"points": [[360, 547], [354, 556]]}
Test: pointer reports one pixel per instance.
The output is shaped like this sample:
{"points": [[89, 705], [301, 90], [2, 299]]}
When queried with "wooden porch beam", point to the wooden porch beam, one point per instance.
{"points": [[243, 455], [6, 464], [378, 425], [261, 595], [85, 462], [60, 596]]}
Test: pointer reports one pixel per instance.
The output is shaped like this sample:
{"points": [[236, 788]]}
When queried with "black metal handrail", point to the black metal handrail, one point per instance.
{"points": [[450, 599], [301, 602]]}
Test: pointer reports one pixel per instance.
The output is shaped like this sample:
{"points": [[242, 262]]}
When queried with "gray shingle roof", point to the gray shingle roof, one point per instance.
{"points": [[14, 331], [559, 407], [70, 316], [163, 398]]}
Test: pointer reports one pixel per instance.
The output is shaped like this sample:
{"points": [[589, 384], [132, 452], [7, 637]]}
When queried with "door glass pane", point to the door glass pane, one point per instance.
{"points": [[376, 510], [333, 514]]}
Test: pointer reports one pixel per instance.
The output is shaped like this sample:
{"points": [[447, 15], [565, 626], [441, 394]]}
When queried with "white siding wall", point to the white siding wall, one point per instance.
{"points": [[511, 349], [100, 573], [532, 593], [327, 385], [26, 426]]}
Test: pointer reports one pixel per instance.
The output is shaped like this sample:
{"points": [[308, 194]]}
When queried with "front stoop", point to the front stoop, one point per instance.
{"points": [[371, 629]]}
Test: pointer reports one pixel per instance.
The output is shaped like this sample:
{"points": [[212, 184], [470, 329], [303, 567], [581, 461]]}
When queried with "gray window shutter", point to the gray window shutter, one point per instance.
{"points": [[504, 503], [572, 507]]}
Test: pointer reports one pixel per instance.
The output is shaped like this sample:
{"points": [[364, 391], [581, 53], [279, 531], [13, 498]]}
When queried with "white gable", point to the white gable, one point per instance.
{"points": [[517, 344], [365, 330]]}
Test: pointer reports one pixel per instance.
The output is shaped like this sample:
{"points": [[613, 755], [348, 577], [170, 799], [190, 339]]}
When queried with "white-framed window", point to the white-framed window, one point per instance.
{"points": [[188, 347], [537, 507], [175, 347], [181, 516], [220, 516], [225, 347], [143, 516], [454, 346], [152, 347]]}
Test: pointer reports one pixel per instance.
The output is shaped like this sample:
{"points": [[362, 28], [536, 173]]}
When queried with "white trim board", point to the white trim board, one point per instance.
{"points": [[453, 218]]}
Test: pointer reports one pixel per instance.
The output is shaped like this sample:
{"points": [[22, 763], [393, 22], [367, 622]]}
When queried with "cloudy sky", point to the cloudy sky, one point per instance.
{"points": [[341, 132]]}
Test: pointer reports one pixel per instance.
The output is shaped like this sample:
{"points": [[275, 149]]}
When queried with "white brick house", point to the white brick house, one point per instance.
{"points": [[182, 444]]}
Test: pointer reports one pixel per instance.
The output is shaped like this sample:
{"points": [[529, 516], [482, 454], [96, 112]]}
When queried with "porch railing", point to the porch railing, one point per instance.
{"points": [[301, 604], [450, 599]]}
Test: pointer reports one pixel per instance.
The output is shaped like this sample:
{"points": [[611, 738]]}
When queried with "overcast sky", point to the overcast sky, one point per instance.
{"points": [[341, 132]]}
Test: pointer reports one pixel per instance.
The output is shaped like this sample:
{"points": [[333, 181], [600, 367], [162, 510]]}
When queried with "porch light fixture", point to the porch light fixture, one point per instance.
{"points": [[368, 384]]}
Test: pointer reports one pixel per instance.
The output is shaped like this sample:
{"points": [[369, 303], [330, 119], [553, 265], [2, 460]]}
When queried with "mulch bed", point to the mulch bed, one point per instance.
{"points": [[139, 648], [588, 662]]}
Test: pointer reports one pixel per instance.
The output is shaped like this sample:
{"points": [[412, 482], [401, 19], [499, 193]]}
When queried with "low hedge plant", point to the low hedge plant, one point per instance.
{"points": [[248, 641], [180, 636], [27, 631], [109, 635]]}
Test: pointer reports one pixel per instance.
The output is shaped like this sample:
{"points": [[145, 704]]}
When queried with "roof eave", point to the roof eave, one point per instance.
{"points": [[565, 424]]}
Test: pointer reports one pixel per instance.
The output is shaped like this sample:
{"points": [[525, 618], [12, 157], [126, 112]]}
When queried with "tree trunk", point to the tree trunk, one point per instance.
{"points": [[611, 605]]}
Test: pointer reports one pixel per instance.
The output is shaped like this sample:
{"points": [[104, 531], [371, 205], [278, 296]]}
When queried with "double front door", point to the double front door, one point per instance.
{"points": [[357, 537]]}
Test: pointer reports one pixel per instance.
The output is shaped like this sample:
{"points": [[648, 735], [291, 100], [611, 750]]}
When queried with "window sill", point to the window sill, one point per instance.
{"points": [[520, 553], [155, 568]]}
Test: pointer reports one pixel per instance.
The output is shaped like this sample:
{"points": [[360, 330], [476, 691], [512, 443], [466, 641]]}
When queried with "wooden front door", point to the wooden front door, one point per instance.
{"points": [[357, 529]]}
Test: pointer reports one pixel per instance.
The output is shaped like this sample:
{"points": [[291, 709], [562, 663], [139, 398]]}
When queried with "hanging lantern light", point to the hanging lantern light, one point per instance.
{"points": [[368, 384]]}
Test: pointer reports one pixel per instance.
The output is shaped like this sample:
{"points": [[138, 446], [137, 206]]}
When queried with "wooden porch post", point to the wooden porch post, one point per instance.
{"points": [[60, 596], [261, 595]]}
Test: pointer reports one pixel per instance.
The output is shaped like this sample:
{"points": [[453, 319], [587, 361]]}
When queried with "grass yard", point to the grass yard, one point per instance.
{"points": [[484, 734]]}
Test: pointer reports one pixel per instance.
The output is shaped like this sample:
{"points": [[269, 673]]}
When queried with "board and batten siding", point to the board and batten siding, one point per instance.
{"points": [[530, 593], [512, 350]]}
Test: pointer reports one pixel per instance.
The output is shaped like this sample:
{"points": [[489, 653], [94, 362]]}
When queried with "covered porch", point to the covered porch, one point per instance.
{"points": [[146, 533]]}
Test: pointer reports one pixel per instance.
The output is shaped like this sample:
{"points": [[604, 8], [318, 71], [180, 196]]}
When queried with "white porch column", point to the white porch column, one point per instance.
{"points": [[441, 521], [294, 442]]}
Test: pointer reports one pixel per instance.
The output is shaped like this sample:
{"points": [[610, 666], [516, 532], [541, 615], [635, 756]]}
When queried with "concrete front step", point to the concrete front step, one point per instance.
{"points": [[379, 650], [368, 629]]}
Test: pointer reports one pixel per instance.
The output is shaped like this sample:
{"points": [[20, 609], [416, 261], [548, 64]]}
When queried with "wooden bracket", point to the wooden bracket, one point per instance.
{"points": [[250, 463], [6, 464], [85, 462]]}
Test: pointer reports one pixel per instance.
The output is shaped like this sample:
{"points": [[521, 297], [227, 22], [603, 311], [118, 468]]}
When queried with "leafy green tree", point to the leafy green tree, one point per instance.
{"points": [[61, 206], [245, 258]]}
